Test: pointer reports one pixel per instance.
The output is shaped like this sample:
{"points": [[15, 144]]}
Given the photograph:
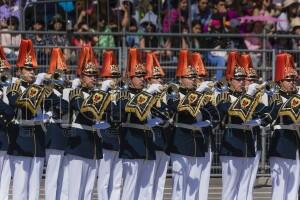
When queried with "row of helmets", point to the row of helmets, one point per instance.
{"points": [[189, 64]]}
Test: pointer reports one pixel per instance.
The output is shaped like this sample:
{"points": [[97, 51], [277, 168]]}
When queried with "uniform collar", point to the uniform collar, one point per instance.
{"points": [[286, 94], [184, 90], [235, 93], [134, 90], [24, 83]]}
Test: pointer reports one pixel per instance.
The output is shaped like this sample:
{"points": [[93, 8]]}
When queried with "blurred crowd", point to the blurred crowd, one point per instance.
{"points": [[155, 16]]}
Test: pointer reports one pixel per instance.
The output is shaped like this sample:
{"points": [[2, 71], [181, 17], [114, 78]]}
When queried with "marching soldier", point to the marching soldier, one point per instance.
{"points": [[154, 77], [55, 107], [6, 115], [284, 146], [188, 144], [84, 147], [27, 134], [204, 87], [110, 168], [236, 108], [136, 145]]}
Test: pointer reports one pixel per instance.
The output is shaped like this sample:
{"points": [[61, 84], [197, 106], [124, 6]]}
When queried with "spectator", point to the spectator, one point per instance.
{"points": [[296, 31], [256, 43], [132, 40], [10, 39], [82, 40], [9, 8], [58, 24], [217, 58], [290, 8], [149, 23], [197, 42], [219, 14], [201, 12], [105, 41], [176, 14]]}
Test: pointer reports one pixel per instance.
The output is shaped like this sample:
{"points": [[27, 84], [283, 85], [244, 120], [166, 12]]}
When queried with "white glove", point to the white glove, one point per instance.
{"points": [[14, 79], [252, 88], [204, 86], [40, 78], [76, 83], [154, 88], [298, 91], [106, 85]]}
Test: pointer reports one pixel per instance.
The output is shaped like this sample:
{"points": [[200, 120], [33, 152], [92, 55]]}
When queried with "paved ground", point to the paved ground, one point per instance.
{"points": [[262, 190]]}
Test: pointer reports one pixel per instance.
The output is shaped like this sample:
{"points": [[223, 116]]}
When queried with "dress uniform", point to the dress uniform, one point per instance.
{"points": [[284, 145], [161, 132], [6, 115], [238, 149], [137, 148], [56, 139], [84, 147], [205, 176], [110, 168], [252, 77], [189, 145], [27, 135]]}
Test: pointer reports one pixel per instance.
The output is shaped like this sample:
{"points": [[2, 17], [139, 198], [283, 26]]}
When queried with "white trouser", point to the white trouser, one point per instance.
{"points": [[63, 181], [187, 172], [236, 175], [160, 173], [146, 180], [27, 173], [2, 158], [285, 178], [5, 177], [54, 162], [253, 175], [82, 176], [205, 176], [110, 176], [131, 168]]}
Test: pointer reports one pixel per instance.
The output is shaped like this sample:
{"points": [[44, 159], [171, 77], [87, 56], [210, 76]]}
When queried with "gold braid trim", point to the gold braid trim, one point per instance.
{"points": [[15, 87], [75, 93]]}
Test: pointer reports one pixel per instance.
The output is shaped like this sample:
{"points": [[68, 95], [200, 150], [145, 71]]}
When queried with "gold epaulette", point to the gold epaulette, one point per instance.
{"points": [[15, 88], [224, 96], [75, 93], [275, 98]]}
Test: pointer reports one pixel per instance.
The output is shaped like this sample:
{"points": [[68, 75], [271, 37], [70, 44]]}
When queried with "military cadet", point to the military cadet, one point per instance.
{"points": [[154, 77], [236, 108], [55, 107], [27, 134], [110, 168], [284, 145], [136, 146], [6, 115], [204, 87], [188, 144], [245, 61], [84, 147]]}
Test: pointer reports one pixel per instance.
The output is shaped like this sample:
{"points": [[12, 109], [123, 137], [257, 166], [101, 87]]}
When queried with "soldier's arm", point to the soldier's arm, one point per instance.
{"points": [[12, 94], [76, 99], [6, 112], [211, 113], [269, 113]]}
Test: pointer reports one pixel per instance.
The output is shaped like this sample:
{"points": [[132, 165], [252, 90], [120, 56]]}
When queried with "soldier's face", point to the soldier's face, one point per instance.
{"points": [[188, 82], [288, 85], [27, 75], [156, 81], [249, 82], [138, 82], [88, 81], [238, 84]]}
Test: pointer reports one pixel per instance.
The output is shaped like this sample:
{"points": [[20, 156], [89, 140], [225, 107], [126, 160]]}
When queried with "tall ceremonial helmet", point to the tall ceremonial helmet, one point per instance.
{"points": [[185, 66], [57, 62], [110, 67], [87, 63], [134, 65], [153, 68], [27, 57], [245, 61], [199, 65], [285, 67], [233, 68]]}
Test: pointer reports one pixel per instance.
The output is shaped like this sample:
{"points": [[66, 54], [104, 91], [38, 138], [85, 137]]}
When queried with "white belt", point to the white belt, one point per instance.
{"points": [[239, 126], [136, 126], [292, 127], [188, 126], [81, 126]]}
